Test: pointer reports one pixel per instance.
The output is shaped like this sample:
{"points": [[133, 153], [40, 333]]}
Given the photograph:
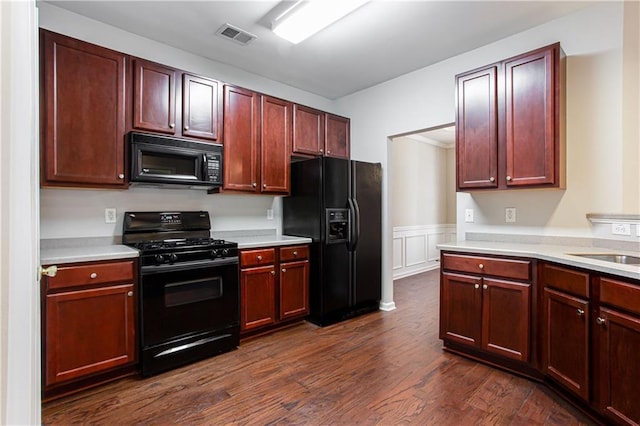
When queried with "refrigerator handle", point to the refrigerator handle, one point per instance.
{"points": [[354, 226]]}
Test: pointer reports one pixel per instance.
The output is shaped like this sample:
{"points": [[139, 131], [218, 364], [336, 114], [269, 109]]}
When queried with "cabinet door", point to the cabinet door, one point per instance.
{"points": [[477, 129], [83, 114], [241, 127], [461, 309], [565, 343], [257, 296], [506, 317], [201, 108], [337, 134], [531, 117], [619, 378], [154, 103], [294, 289], [275, 137], [308, 130], [88, 331]]}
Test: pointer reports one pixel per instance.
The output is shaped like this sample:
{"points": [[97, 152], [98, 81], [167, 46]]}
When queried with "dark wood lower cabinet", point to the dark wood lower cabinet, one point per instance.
{"points": [[258, 297]]}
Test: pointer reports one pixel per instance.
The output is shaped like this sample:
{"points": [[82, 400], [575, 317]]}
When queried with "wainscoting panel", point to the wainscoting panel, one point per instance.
{"points": [[414, 248]]}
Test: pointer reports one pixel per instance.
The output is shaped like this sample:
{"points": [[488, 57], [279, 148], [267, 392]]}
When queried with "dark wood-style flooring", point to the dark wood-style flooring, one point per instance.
{"points": [[384, 368]]}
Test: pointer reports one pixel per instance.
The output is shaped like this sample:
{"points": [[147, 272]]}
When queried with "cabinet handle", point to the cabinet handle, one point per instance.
{"points": [[284, 270], [321, 150], [295, 254], [254, 184], [172, 125], [259, 258], [264, 185], [600, 320], [121, 176], [130, 293], [481, 266], [580, 312], [484, 286], [93, 275], [186, 127], [476, 286], [51, 271], [273, 272], [328, 152], [492, 179], [508, 178]]}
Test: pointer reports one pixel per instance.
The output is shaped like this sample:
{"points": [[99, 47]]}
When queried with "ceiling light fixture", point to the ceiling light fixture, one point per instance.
{"points": [[307, 17]]}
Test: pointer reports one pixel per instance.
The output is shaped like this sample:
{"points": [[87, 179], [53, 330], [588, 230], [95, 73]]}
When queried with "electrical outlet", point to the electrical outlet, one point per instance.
{"points": [[621, 228], [269, 214], [510, 214], [110, 215], [468, 215]]}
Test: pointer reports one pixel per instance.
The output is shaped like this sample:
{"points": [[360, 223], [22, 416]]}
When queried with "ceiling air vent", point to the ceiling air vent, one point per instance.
{"points": [[235, 34]]}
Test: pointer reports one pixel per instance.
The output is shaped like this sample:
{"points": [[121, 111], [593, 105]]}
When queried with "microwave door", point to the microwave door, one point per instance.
{"points": [[166, 165]]}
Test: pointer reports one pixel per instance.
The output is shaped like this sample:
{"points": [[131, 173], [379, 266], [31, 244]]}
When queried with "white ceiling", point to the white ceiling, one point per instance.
{"points": [[380, 41]]}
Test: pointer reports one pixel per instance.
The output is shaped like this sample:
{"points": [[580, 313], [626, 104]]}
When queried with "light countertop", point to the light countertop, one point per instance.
{"points": [[552, 253], [85, 253], [268, 241]]}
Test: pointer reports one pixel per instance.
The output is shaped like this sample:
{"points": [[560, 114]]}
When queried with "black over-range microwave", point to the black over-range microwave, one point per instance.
{"points": [[172, 162]]}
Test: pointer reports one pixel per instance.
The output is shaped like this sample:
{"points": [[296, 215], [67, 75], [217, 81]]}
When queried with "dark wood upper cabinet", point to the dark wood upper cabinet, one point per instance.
{"points": [[83, 113], [337, 134], [275, 143], [257, 131], [308, 130], [154, 99], [201, 108], [510, 123]]}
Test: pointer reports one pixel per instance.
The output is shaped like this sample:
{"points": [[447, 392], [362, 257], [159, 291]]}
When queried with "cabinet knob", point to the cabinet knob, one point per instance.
{"points": [[172, 125], [284, 270], [259, 258], [121, 176], [264, 185], [51, 271], [600, 321], [492, 179], [328, 152], [130, 293], [93, 275], [295, 254], [273, 272], [484, 286], [580, 312], [254, 184], [321, 150], [476, 286], [481, 266], [508, 178], [186, 127]]}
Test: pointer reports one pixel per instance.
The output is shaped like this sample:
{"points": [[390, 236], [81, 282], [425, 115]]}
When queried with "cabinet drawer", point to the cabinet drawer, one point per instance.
{"points": [[506, 268], [257, 257], [620, 294], [93, 273], [294, 253], [574, 282]]}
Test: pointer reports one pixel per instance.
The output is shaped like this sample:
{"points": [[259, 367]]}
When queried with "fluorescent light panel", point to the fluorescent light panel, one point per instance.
{"points": [[306, 18]]}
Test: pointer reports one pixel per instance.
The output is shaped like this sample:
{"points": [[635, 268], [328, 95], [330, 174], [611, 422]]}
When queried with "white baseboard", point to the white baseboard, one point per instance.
{"points": [[405, 274], [387, 306]]}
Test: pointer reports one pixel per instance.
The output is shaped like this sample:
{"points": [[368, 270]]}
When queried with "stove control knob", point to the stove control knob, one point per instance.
{"points": [[173, 257], [215, 253], [159, 259], [225, 252]]}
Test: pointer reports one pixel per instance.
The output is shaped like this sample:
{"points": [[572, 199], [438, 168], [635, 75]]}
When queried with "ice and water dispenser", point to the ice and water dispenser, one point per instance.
{"points": [[337, 226]]}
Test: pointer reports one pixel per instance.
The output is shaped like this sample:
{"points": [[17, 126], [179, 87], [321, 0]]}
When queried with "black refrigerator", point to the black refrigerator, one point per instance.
{"points": [[338, 204]]}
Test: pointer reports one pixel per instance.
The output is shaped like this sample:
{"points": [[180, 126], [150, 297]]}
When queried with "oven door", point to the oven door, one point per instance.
{"points": [[178, 301]]}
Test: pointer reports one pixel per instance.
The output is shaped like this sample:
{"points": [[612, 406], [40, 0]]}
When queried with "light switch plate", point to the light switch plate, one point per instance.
{"points": [[468, 215], [109, 215], [510, 214]]}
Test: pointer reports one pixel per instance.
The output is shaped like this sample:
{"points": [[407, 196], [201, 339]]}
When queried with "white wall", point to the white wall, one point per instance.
{"points": [[425, 98]]}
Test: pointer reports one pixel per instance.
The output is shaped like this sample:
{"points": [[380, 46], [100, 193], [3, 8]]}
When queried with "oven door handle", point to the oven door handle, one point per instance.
{"points": [[153, 269]]}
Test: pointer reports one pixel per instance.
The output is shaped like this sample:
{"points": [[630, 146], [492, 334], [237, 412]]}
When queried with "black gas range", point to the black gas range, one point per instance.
{"points": [[189, 291]]}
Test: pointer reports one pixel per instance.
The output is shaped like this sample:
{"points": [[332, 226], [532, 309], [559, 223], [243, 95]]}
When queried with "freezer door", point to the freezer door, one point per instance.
{"points": [[366, 182]]}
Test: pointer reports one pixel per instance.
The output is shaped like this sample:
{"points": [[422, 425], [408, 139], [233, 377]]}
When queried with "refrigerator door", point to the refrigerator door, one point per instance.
{"points": [[366, 187]]}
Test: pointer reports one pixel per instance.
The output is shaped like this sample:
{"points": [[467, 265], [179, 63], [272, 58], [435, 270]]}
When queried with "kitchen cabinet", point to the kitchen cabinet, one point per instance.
{"points": [[565, 331], [83, 112], [269, 298], [486, 305], [319, 133], [510, 123], [154, 99], [617, 333], [201, 108], [257, 143], [89, 323]]}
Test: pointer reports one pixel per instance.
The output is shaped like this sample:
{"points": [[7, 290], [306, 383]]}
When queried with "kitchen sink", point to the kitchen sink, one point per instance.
{"points": [[615, 258]]}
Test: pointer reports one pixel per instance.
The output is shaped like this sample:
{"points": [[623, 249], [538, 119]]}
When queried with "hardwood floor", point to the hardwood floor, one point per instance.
{"points": [[383, 368]]}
